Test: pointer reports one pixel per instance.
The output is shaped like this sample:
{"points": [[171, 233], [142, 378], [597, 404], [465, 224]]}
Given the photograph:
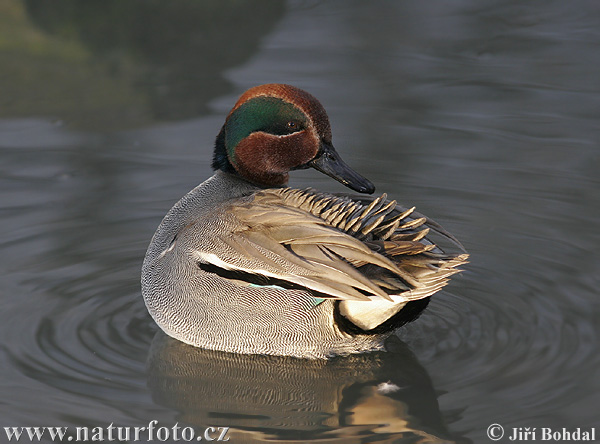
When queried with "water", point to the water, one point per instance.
{"points": [[485, 116]]}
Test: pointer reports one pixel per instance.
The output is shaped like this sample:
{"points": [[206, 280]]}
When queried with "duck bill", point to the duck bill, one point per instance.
{"points": [[329, 162]]}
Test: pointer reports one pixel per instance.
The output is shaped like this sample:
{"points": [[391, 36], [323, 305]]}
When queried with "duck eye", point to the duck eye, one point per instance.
{"points": [[292, 125]]}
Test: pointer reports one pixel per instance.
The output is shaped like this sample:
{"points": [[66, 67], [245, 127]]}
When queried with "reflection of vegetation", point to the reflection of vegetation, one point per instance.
{"points": [[42, 75], [116, 63]]}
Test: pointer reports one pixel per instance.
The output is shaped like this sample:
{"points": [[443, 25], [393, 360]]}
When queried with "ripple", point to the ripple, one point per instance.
{"points": [[481, 340], [97, 346]]}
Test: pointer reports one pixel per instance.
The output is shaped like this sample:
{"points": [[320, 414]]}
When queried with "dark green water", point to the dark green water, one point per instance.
{"points": [[485, 115]]}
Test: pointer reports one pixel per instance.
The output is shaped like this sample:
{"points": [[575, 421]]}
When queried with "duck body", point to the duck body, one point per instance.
{"points": [[244, 264]]}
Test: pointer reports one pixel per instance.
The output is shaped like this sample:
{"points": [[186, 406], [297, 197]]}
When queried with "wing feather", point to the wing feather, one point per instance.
{"points": [[338, 247]]}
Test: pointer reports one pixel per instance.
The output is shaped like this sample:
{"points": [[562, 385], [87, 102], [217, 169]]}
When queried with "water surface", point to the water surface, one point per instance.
{"points": [[484, 116]]}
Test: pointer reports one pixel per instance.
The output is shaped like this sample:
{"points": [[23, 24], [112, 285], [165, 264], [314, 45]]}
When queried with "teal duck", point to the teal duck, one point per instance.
{"points": [[244, 264]]}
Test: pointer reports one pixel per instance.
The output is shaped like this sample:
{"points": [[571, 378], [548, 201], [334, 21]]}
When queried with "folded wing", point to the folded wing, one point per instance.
{"points": [[334, 246]]}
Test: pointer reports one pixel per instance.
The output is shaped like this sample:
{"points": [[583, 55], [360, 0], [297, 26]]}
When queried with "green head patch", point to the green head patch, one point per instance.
{"points": [[262, 114]]}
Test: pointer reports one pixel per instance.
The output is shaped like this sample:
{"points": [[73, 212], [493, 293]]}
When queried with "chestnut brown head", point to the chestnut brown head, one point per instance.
{"points": [[276, 128]]}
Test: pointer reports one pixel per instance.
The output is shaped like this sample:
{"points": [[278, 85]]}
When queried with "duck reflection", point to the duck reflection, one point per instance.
{"points": [[387, 397]]}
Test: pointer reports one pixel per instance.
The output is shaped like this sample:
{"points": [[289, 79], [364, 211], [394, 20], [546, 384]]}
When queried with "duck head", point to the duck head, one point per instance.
{"points": [[276, 128]]}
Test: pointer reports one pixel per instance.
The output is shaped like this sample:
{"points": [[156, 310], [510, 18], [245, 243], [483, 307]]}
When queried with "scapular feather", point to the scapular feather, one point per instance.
{"points": [[340, 248]]}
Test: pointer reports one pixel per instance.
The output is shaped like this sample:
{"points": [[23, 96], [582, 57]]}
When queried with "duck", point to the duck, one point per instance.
{"points": [[245, 264]]}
